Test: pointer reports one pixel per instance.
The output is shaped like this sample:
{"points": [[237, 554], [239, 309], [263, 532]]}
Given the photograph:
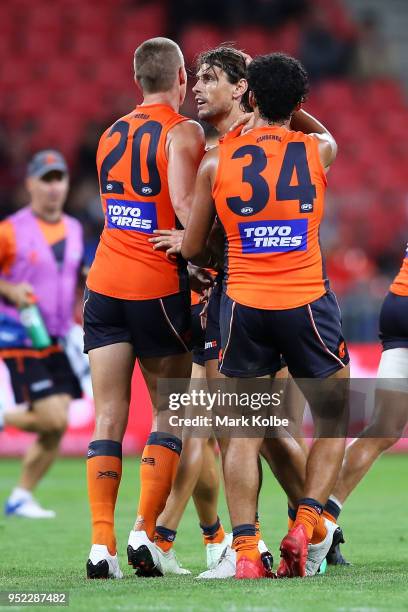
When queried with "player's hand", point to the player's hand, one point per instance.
{"points": [[204, 298], [21, 295], [247, 58], [246, 121], [167, 240], [200, 279]]}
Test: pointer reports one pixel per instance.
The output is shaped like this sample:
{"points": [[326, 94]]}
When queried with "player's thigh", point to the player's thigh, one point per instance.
{"points": [[176, 367], [294, 402], [311, 338], [160, 327], [314, 349], [390, 415], [391, 405], [104, 321], [212, 345], [247, 350], [198, 341], [394, 322]]}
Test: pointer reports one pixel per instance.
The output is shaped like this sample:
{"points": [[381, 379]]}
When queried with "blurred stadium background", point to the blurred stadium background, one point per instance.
{"points": [[66, 74]]}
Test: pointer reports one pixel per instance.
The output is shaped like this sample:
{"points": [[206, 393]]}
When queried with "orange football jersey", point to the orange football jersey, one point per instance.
{"points": [[132, 168], [269, 195], [400, 284]]}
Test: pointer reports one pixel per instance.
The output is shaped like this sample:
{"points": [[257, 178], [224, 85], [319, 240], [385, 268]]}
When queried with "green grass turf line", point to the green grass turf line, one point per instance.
{"points": [[51, 555]]}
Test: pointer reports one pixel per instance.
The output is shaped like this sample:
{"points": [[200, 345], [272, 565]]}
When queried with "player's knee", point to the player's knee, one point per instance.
{"points": [[386, 443], [58, 422], [108, 426], [52, 416]]}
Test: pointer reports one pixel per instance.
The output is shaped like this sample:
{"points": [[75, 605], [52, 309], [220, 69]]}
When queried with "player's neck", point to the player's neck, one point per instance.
{"points": [[166, 98], [260, 121], [224, 123]]}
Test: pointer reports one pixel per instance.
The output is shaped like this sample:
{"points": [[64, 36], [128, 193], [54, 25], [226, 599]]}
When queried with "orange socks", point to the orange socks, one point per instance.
{"points": [[158, 469], [319, 532], [213, 534], [329, 516], [247, 546], [308, 515], [104, 471], [164, 538], [245, 542]]}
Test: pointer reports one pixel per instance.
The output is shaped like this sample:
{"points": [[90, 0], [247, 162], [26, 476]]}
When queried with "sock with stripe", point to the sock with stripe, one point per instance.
{"points": [[104, 471], [164, 538], [245, 542], [291, 517], [332, 509], [308, 515], [158, 469], [213, 534]]}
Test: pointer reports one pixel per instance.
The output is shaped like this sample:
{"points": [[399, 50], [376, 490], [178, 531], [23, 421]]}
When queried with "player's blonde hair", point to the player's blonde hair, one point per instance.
{"points": [[156, 63]]}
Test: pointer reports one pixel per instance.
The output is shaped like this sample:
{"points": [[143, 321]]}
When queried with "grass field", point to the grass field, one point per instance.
{"points": [[38, 556]]}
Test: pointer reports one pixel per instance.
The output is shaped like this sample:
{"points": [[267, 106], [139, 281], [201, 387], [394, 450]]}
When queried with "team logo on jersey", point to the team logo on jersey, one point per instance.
{"points": [[306, 207], [247, 210], [274, 236], [129, 215]]}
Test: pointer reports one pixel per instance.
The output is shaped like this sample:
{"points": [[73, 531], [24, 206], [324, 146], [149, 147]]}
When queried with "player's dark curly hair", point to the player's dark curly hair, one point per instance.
{"points": [[231, 61], [279, 83]]}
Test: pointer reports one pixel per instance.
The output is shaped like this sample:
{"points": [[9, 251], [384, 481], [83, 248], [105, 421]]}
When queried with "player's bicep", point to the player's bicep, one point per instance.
{"points": [[185, 152], [201, 216], [327, 149]]}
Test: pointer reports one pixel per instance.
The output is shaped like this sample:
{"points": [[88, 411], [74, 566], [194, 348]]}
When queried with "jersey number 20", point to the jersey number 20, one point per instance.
{"points": [[153, 186]]}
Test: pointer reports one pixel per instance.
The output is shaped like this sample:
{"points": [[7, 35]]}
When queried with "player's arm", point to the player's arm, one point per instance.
{"points": [[202, 213], [185, 149], [303, 122]]}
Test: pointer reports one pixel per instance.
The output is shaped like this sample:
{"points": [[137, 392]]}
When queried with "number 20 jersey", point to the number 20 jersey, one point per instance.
{"points": [[269, 195], [132, 168]]}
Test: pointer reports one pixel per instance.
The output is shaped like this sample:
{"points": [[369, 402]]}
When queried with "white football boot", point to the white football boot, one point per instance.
{"points": [[143, 555], [214, 551], [169, 563], [101, 564], [149, 560], [226, 565], [316, 553]]}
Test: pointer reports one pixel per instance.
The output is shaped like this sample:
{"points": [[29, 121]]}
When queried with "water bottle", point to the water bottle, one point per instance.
{"points": [[32, 320]]}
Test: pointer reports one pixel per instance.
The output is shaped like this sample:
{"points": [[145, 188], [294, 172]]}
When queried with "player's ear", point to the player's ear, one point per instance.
{"points": [[240, 88], [182, 75], [137, 82], [252, 100]]}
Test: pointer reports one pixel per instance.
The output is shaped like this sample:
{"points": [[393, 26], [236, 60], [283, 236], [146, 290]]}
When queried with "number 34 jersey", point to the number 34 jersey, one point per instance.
{"points": [[269, 195], [132, 168]]}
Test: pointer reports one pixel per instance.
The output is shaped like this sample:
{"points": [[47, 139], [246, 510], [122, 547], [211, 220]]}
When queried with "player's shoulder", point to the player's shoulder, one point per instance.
{"points": [[187, 128], [125, 118]]}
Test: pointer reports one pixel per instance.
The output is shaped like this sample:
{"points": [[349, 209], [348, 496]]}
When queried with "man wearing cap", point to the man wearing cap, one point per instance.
{"points": [[41, 252]]}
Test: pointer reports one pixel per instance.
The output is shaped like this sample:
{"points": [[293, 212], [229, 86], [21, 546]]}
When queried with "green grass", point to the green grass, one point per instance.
{"points": [[51, 555]]}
